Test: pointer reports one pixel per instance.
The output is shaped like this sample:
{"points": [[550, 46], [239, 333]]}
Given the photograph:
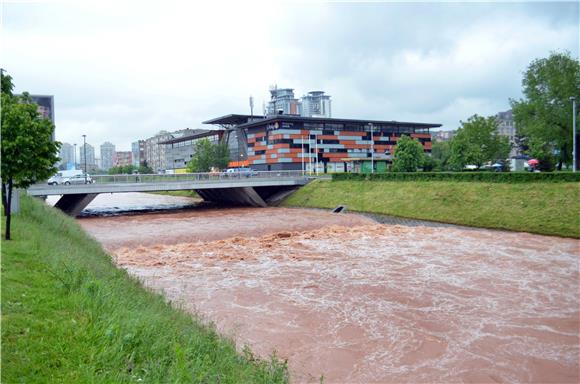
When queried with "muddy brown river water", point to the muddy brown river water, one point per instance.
{"points": [[344, 298]]}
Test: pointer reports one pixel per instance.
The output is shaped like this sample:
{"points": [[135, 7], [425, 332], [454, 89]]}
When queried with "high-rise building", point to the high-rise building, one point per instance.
{"points": [[316, 104], [138, 150], [91, 165], [155, 152], [282, 101], [45, 107], [107, 155], [506, 127], [67, 156], [123, 158]]}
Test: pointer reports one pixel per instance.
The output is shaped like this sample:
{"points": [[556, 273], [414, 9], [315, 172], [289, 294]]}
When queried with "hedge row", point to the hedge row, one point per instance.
{"points": [[490, 177]]}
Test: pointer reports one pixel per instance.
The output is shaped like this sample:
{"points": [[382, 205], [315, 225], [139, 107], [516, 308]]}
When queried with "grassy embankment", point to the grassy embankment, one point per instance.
{"points": [[544, 208], [70, 316]]}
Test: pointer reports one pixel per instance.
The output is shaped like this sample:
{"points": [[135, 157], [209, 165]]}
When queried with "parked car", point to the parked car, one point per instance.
{"points": [[238, 172], [78, 179]]}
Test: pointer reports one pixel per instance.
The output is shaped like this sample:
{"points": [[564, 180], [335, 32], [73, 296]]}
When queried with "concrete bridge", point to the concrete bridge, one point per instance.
{"points": [[257, 189]]}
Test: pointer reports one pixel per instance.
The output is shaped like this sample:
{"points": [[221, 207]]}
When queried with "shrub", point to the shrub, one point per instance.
{"points": [[489, 177]]}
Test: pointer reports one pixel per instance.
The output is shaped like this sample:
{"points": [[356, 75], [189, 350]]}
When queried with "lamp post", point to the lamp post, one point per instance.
{"points": [[75, 156], [302, 155], [316, 154], [573, 99], [85, 154], [372, 148]]}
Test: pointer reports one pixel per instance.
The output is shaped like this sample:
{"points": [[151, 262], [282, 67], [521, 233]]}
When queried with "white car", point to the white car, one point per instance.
{"points": [[78, 179], [56, 180]]}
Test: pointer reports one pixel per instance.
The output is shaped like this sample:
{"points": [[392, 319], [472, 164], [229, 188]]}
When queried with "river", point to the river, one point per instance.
{"points": [[344, 298]]}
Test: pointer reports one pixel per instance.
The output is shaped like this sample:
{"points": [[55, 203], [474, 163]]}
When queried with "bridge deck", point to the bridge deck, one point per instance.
{"points": [[152, 183]]}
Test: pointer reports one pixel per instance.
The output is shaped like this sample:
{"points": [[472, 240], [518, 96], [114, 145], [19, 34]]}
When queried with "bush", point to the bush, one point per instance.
{"points": [[489, 177]]}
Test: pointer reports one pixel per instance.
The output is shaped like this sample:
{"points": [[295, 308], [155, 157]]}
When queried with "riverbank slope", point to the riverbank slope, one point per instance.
{"points": [[69, 315], [543, 208]]}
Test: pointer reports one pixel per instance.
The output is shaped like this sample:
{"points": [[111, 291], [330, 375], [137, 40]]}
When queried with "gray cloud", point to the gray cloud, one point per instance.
{"points": [[120, 72]]}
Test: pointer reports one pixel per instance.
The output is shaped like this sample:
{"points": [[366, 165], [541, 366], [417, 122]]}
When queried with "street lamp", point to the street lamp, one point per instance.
{"points": [[85, 152], [372, 148], [573, 99], [75, 156]]}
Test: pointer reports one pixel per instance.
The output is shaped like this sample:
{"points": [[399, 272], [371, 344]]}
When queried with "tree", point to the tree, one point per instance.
{"points": [[477, 142], [144, 170], [208, 155], [440, 153], [28, 153], [545, 113], [408, 155]]}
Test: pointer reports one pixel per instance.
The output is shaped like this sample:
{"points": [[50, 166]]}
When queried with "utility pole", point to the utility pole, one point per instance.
{"points": [[85, 152], [573, 99]]}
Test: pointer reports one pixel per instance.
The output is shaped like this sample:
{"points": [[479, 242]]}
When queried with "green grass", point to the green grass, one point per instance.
{"points": [[70, 316], [544, 208]]}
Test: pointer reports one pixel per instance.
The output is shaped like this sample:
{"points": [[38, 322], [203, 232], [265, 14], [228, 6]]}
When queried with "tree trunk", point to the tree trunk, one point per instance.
{"points": [[8, 213], [559, 165], [4, 197]]}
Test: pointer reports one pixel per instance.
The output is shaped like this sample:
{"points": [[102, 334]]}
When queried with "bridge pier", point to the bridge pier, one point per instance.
{"points": [[73, 204], [237, 196]]}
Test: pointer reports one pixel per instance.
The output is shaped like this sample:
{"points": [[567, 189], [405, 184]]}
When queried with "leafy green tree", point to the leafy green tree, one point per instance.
{"points": [[28, 153], [543, 152], [144, 170], [440, 153], [544, 115], [408, 156], [221, 156], [207, 156], [477, 142]]}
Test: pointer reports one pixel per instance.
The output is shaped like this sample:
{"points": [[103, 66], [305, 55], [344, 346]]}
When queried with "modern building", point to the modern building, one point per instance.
{"points": [[67, 156], [282, 101], [316, 104], [286, 142], [107, 155], [138, 153], [90, 162], [123, 158], [180, 150]]}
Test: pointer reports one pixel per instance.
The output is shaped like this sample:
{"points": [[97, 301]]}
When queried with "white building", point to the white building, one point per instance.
{"points": [[67, 156], [107, 156], [316, 104], [90, 157]]}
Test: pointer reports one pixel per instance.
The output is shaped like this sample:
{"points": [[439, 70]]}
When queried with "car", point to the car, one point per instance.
{"points": [[78, 179], [56, 180], [238, 172]]}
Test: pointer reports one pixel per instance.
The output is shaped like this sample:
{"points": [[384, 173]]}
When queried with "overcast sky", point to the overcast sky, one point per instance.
{"points": [[122, 70]]}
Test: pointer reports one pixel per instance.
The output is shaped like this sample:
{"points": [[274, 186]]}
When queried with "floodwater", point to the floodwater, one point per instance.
{"points": [[352, 301]]}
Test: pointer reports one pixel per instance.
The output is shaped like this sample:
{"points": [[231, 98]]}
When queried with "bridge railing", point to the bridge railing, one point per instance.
{"points": [[207, 176]]}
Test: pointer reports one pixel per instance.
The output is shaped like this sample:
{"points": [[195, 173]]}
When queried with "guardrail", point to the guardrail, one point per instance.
{"points": [[208, 176]]}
